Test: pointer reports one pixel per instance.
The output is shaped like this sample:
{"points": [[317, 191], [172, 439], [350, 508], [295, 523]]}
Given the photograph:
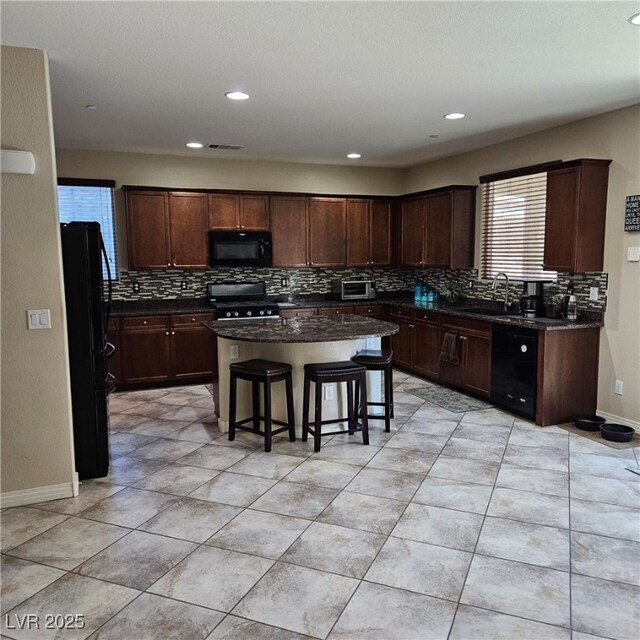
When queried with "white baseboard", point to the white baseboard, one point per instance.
{"points": [[37, 494], [609, 417]]}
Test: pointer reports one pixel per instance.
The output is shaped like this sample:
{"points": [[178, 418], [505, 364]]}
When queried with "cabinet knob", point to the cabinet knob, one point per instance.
{"points": [[242, 226], [168, 264], [173, 333], [144, 322], [166, 333], [193, 319]]}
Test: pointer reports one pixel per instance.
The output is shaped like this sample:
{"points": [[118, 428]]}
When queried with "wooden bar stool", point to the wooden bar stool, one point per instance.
{"points": [[376, 360], [265, 372], [335, 372]]}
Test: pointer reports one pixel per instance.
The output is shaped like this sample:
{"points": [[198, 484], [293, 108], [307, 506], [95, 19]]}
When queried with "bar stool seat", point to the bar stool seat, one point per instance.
{"points": [[321, 373], [379, 360], [258, 372]]}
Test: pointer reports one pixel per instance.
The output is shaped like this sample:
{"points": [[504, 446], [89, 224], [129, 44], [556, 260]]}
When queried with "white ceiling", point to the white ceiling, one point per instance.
{"points": [[326, 78]]}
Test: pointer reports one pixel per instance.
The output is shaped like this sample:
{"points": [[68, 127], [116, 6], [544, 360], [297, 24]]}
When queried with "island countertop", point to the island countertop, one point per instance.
{"points": [[305, 329]]}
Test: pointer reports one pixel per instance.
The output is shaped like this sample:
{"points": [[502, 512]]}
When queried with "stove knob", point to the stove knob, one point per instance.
{"points": [[248, 313], [262, 312], [228, 314], [235, 313], [269, 312]]}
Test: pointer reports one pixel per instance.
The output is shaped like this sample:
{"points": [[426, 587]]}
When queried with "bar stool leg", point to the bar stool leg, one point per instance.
{"points": [[318, 417], [387, 399], [351, 414], [232, 407], [305, 409], [255, 390], [291, 419], [267, 416], [364, 410], [391, 389]]}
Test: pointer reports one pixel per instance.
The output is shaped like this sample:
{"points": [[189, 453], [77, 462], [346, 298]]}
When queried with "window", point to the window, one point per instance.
{"points": [[513, 219], [91, 201]]}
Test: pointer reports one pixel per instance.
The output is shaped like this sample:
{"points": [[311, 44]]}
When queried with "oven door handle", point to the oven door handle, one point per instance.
{"points": [[109, 350], [111, 383]]}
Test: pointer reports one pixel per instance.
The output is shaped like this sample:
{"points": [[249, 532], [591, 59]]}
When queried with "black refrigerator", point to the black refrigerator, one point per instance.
{"points": [[87, 319]]}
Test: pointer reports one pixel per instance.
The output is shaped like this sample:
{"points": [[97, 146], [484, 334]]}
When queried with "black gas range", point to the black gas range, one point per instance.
{"points": [[241, 301]]}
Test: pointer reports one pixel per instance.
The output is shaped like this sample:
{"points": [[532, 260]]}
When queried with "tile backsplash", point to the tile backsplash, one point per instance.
{"points": [[167, 284]]}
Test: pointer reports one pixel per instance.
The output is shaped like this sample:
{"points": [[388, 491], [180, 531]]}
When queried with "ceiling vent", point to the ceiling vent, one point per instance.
{"points": [[226, 147]]}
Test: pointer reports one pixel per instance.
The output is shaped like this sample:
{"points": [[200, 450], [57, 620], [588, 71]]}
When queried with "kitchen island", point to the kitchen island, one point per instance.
{"points": [[296, 341]]}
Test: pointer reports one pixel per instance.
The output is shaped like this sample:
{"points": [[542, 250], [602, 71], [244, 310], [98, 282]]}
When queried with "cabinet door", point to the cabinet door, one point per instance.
{"points": [[224, 211], [358, 236], [148, 229], [289, 231], [254, 213], [189, 222], [194, 348], [426, 349], [478, 364], [402, 343], [145, 355], [327, 232], [561, 219], [453, 374], [412, 232], [380, 232], [438, 228]]}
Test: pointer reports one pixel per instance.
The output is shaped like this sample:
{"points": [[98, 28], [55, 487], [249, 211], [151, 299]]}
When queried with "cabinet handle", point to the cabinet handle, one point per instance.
{"points": [[412, 326], [463, 337]]}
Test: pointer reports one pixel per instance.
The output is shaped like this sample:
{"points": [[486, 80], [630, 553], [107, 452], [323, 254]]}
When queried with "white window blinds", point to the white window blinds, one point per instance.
{"points": [[513, 218]]}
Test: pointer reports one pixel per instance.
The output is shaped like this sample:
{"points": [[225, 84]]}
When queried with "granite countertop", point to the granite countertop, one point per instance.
{"points": [[201, 305], [306, 329]]}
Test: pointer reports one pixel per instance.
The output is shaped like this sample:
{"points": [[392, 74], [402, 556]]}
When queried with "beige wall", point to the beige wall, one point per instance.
{"points": [[37, 449], [616, 136]]}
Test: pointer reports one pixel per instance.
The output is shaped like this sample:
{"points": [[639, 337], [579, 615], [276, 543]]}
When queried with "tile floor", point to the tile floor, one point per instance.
{"points": [[463, 526]]}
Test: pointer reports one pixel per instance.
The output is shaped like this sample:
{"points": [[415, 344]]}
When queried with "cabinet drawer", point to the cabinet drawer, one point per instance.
{"points": [[144, 322], [431, 317], [401, 312], [195, 319], [297, 313], [114, 324], [480, 327], [334, 311], [375, 310]]}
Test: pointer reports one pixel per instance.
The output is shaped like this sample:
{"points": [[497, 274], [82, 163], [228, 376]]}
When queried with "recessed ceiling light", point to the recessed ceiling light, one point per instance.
{"points": [[237, 95], [91, 107], [195, 145], [635, 19], [454, 116], [354, 156]]}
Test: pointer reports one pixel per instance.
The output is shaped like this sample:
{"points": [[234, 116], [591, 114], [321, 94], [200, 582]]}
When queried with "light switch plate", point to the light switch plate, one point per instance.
{"points": [[38, 319], [633, 254], [593, 293], [233, 352]]}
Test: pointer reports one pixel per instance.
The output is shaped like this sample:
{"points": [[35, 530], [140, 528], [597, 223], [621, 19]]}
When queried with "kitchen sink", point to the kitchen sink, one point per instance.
{"points": [[483, 311]]}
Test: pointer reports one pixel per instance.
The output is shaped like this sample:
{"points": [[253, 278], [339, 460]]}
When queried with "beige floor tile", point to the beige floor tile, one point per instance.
{"points": [[605, 519], [404, 460], [554, 483], [431, 426], [234, 628], [609, 490], [20, 524], [267, 465], [531, 507], [234, 489], [453, 494], [126, 470], [91, 492], [165, 449], [423, 442], [177, 479], [122, 443], [607, 558], [537, 457], [354, 453], [605, 466], [322, 473], [465, 470], [498, 434], [214, 457], [386, 484], [474, 449], [491, 417]]}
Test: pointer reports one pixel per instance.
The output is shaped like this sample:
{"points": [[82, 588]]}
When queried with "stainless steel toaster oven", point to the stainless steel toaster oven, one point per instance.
{"points": [[353, 289]]}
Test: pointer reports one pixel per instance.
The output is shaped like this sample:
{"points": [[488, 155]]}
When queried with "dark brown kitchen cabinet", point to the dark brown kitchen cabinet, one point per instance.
{"points": [[157, 349], [376, 311], [335, 311], [327, 232], [575, 216], [417, 345], [297, 313], [473, 341], [289, 231], [368, 232], [438, 228], [167, 229], [235, 212]]}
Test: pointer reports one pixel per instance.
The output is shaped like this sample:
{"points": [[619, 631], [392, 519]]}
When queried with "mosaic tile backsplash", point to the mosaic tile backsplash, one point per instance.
{"points": [[174, 284]]}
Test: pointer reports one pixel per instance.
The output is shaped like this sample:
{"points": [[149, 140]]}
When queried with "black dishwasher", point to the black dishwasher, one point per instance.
{"points": [[513, 369]]}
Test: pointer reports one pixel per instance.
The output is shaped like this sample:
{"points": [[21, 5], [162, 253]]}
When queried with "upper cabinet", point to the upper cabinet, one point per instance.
{"points": [[327, 232], [438, 228], [575, 216], [167, 229], [238, 212], [289, 231], [368, 232]]}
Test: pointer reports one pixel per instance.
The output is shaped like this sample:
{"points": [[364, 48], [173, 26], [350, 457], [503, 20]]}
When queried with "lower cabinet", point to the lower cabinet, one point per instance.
{"points": [[417, 345], [158, 349], [297, 313], [473, 341]]}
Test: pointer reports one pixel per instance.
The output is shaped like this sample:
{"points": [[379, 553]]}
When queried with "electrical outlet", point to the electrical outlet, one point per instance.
{"points": [[184, 285], [233, 352], [470, 285], [619, 387], [136, 287], [284, 282], [593, 293], [328, 393]]}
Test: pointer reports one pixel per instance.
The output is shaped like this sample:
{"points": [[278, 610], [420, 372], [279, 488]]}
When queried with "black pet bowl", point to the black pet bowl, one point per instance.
{"points": [[588, 423], [616, 432]]}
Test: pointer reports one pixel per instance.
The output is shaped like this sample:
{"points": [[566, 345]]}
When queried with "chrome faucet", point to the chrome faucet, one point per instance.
{"points": [[506, 289]]}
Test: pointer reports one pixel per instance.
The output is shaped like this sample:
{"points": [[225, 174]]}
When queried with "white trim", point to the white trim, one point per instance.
{"points": [[75, 484], [37, 494], [610, 417]]}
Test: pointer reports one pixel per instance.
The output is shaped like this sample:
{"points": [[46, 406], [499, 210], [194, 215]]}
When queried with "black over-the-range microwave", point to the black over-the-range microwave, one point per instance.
{"points": [[240, 248]]}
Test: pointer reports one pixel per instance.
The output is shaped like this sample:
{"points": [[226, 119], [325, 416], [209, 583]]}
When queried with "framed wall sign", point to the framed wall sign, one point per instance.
{"points": [[632, 214]]}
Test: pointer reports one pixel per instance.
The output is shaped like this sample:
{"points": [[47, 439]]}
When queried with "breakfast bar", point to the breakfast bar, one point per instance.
{"points": [[296, 341]]}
